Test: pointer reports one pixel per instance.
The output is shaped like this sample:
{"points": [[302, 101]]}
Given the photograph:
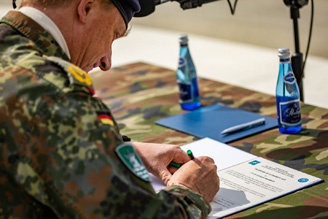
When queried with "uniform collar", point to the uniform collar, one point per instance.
{"points": [[32, 30], [44, 21]]}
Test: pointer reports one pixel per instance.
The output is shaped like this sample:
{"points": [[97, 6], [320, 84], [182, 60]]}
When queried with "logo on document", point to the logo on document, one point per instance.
{"points": [[254, 162], [303, 180]]}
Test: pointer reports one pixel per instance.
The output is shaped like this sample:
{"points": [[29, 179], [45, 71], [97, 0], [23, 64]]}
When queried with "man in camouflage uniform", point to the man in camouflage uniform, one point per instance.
{"points": [[61, 153]]}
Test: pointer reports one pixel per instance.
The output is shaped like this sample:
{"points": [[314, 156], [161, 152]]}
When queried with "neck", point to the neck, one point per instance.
{"points": [[65, 19]]}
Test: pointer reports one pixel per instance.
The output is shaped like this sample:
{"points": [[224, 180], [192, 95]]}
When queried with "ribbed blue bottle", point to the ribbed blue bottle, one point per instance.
{"points": [[187, 78], [287, 96]]}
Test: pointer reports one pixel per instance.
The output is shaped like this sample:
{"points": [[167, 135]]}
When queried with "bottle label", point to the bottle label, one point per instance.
{"points": [[182, 62], [284, 60], [289, 78], [185, 91], [290, 112]]}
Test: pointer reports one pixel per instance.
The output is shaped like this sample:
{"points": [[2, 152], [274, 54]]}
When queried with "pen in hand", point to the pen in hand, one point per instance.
{"points": [[178, 165], [174, 164]]}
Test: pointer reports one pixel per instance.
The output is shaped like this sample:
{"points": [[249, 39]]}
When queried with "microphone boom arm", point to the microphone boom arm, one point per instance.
{"points": [[148, 6], [186, 4]]}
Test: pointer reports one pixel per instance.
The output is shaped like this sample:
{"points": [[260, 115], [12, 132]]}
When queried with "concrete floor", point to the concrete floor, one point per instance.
{"points": [[244, 55]]}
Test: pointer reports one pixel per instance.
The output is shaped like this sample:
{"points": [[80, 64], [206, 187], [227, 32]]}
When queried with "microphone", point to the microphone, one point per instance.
{"points": [[188, 4], [148, 6]]}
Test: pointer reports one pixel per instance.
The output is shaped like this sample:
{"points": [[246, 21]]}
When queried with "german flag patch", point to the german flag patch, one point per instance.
{"points": [[105, 118]]}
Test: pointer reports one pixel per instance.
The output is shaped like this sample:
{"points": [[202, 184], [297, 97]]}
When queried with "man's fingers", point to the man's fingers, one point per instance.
{"points": [[165, 176], [181, 156], [172, 170]]}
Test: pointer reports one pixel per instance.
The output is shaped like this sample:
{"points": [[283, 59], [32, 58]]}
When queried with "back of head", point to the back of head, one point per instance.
{"points": [[127, 8], [44, 3]]}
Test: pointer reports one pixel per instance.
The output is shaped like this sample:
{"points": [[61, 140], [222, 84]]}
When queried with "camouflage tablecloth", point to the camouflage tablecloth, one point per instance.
{"points": [[140, 94]]}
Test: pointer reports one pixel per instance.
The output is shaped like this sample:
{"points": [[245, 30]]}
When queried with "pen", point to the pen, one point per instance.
{"points": [[244, 126], [174, 164], [190, 154], [178, 165]]}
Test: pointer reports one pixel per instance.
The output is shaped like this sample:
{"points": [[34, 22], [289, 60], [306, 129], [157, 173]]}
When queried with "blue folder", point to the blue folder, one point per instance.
{"points": [[210, 121]]}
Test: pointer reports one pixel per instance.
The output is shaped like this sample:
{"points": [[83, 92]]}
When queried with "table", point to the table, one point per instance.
{"points": [[139, 94]]}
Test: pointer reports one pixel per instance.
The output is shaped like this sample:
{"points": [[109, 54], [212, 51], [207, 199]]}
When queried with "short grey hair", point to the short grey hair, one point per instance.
{"points": [[44, 2], [55, 3]]}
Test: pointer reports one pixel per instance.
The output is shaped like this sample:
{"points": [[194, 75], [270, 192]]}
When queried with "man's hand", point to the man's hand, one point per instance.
{"points": [[156, 158], [200, 175]]}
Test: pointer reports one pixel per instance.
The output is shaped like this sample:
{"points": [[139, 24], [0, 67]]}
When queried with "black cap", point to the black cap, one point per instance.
{"points": [[127, 8], [137, 8]]}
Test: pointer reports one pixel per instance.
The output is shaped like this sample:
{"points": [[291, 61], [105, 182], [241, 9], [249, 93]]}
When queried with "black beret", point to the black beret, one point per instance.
{"points": [[137, 8], [127, 8]]}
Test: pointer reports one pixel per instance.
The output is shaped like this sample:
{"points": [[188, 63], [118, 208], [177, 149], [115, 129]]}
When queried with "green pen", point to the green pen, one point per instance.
{"points": [[178, 165], [174, 164], [190, 154]]}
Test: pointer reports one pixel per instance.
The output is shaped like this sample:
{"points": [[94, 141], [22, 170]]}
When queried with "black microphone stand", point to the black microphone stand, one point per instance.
{"points": [[297, 57]]}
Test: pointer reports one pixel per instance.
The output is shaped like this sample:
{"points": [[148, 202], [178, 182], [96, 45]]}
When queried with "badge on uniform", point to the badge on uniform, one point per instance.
{"points": [[76, 75], [131, 159], [105, 118], [79, 75]]}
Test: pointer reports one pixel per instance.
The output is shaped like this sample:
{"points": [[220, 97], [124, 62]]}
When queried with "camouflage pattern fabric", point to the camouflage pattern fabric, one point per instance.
{"points": [[139, 94], [61, 152]]}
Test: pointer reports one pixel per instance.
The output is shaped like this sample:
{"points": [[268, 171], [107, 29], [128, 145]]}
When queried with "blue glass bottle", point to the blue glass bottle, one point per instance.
{"points": [[287, 96], [187, 78]]}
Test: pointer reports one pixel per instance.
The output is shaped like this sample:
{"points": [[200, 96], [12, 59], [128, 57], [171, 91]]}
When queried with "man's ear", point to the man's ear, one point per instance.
{"points": [[84, 8]]}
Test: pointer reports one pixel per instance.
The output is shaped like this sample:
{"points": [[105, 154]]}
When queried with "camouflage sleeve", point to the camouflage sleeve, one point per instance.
{"points": [[194, 205], [70, 158]]}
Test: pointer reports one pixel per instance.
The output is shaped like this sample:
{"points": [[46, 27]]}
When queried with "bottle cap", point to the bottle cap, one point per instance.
{"points": [[283, 52], [184, 38]]}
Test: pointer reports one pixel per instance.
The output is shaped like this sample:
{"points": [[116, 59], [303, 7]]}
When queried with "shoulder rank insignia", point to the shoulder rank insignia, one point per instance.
{"points": [[75, 74], [132, 161]]}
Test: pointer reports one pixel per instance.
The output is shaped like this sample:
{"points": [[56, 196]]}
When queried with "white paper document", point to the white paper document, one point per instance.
{"points": [[246, 180]]}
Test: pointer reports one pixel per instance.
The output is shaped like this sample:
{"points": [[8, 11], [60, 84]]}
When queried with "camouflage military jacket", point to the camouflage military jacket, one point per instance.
{"points": [[61, 153]]}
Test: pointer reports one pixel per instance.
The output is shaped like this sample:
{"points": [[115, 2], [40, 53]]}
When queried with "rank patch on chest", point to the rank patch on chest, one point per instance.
{"points": [[131, 159]]}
